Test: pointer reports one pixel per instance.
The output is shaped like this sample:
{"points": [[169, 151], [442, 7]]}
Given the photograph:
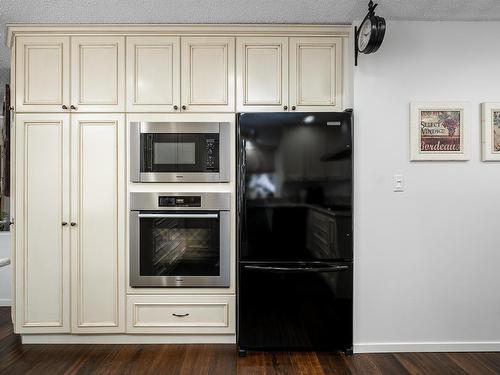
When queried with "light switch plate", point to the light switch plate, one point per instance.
{"points": [[399, 183]]}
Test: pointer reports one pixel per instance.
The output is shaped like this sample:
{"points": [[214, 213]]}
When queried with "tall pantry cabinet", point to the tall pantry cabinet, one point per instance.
{"points": [[70, 185]]}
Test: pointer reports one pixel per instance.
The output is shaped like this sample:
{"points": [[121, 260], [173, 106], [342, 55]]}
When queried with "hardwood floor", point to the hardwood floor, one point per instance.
{"points": [[220, 360]]}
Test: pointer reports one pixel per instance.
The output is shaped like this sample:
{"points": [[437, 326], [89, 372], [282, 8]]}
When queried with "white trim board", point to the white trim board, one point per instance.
{"points": [[248, 29], [128, 339], [445, 346], [5, 302]]}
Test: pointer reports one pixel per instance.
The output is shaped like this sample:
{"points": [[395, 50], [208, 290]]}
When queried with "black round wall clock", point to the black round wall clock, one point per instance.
{"points": [[370, 34]]}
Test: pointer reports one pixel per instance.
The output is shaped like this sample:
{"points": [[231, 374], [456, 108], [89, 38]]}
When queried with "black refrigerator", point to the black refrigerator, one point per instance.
{"points": [[294, 237]]}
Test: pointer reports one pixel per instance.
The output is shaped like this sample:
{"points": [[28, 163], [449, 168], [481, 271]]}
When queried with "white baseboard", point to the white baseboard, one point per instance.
{"points": [[128, 339], [5, 302], [451, 346]]}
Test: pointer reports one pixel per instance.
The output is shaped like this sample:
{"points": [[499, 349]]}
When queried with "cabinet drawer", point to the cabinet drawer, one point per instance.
{"points": [[180, 314]]}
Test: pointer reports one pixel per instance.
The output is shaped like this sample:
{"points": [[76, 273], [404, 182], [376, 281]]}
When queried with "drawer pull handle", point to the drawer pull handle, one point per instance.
{"points": [[180, 315]]}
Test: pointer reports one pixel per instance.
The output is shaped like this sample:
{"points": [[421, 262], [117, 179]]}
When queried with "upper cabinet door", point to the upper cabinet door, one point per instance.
{"points": [[316, 74], [207, 74], [153, 74], [262, 74], [42, 74], [98, 74]]}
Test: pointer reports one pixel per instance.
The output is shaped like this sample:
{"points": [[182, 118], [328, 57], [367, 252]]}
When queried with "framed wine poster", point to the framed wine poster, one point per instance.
{"points": [[491, 131], [439, 130]]}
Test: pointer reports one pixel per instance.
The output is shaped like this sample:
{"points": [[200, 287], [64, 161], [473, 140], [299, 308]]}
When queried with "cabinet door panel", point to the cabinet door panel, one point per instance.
{"points": [[42, 74], [153, 74], [316, 74], [42, 205], [208, 74], [97, 206], [262, 74], [98, 74]]}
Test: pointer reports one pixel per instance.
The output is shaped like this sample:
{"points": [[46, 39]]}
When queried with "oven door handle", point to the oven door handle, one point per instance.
{"points": [[180, 216], [297, 269]]}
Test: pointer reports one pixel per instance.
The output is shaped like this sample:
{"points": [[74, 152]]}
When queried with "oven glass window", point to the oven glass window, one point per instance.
{"points": [[177, 246]]}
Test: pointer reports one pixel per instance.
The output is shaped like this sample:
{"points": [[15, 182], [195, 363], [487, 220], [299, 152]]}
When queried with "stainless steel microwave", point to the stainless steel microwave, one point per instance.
{"points": [[179, 151], [179, 239]]}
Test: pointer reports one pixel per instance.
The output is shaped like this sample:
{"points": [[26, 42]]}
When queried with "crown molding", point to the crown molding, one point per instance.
{"points": [[176, 29]]}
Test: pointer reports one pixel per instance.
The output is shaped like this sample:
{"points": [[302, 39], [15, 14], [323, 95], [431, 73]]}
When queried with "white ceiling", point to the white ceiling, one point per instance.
{"points": [[231, 11]]}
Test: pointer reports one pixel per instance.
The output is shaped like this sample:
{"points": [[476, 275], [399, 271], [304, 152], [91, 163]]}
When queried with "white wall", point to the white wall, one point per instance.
{"points": [[428, 259], [5, 272]]}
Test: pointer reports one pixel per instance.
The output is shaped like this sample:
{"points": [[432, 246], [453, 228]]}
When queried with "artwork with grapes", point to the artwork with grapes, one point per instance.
{"points": [[495, 130], [440, 131]]}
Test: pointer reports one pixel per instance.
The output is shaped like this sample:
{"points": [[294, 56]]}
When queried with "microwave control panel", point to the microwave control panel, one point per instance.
{"points": [[211, 153], [185, 201]]}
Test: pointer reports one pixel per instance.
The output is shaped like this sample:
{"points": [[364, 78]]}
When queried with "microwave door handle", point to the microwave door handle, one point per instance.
{"points": [[180, 216], [297, 269]]}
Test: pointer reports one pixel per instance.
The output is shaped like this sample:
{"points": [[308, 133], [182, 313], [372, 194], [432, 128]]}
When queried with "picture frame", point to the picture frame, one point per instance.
{"points": [[490, 119], [439, 131]]}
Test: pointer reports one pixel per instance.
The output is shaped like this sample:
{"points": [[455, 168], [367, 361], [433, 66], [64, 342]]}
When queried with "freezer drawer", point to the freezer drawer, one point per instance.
{"points": [[295, 306]]}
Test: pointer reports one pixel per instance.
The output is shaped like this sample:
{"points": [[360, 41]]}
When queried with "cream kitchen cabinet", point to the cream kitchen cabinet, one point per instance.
{"points": [[262, 74], [42, 74], [70, 206], [42, 229], [207, 77], [181, 314], [153, 74], [98, 74], [98, 223], [316, 74], [44, 83]]}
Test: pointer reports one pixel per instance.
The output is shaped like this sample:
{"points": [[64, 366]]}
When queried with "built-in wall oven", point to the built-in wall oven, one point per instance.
{"points": [[179, 151], [179, 239]]}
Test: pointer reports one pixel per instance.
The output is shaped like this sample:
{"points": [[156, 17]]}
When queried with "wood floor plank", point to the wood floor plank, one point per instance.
{"points": [[334, 363], [377, 364], [491, 360], [470, 365], [16, 358], [429, 363]]}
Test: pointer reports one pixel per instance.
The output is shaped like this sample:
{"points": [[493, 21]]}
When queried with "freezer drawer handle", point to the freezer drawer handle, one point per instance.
{"points": [[180, 315], [297, 269], [180, 216]]}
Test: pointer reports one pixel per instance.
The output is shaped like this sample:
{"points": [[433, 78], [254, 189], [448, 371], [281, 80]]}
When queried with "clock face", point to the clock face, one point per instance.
{"points": [[364, 35]]}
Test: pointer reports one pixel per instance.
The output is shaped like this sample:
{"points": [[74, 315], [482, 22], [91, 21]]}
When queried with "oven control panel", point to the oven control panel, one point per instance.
{"points": [[211, 150], [178, 201]]}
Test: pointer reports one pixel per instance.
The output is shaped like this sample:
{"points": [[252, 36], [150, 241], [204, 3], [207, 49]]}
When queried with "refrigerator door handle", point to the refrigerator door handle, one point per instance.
{"points": [[296, 269]]}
